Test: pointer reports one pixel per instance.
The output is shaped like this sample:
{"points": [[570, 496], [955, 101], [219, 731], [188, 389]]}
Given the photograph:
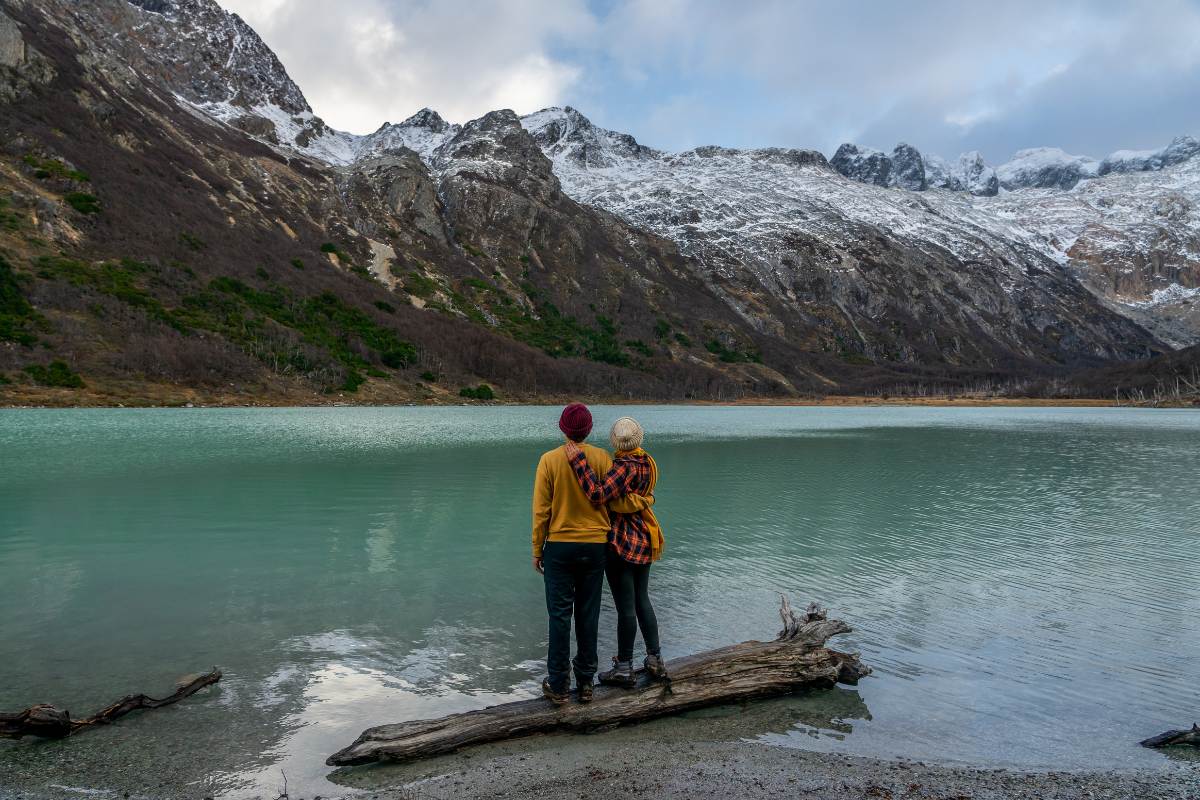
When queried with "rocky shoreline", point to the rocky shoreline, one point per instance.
{"points": [[583, 767], [635, 763]]}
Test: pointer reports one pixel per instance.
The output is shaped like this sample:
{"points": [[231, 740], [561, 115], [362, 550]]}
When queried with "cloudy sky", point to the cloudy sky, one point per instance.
{"points": [[1089, 76]]}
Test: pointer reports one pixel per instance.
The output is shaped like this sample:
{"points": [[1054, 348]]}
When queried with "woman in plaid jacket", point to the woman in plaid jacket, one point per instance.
{"points": [[635, 541]]}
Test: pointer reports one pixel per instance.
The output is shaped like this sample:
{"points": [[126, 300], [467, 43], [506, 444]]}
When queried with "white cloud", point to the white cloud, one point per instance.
{"points": [[363, 62], [943, 75]]}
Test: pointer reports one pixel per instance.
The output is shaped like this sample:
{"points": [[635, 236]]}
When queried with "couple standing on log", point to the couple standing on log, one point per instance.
{"points": [[593, 517]]}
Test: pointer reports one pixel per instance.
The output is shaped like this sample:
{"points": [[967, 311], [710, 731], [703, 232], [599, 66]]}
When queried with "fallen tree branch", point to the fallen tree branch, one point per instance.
{"points": [[1171, 738], [51, 722], [797, 658]]}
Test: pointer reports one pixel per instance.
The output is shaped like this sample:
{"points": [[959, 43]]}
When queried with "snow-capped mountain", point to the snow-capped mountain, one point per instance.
{"points": [[741, 211], [1045, 168], [422, 133], [873, 257], [1128, 236], [968, 174], [903, 168], [1179, 150]]}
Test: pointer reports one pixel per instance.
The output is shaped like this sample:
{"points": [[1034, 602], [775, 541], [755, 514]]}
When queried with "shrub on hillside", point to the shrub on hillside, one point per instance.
{"points": [[731, 356], [56, 373], [480, 392], [16, 314], [83, 202], [44, 168], [354, 379]]}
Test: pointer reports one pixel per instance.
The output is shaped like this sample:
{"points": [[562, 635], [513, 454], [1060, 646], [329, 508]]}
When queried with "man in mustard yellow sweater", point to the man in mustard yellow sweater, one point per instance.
{"points": [[569, 540]]}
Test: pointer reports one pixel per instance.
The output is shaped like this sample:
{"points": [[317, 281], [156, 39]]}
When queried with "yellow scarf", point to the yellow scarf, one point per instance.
{"points": [[657, 541]]}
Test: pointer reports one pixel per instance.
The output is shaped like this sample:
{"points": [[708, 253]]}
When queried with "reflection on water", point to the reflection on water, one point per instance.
{"points": [[1011, 574]]}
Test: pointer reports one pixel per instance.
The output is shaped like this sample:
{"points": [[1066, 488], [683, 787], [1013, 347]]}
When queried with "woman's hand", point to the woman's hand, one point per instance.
{"points": [[537, 567], [573, 449]]}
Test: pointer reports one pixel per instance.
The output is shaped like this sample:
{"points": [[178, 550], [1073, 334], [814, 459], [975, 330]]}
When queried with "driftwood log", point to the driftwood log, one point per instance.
{"points": [[1171, 738], [51, 722], [797, 658]]}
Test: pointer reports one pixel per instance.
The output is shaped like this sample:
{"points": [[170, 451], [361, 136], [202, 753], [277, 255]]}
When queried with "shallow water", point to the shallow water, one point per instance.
{"points": [[1025, 582]]}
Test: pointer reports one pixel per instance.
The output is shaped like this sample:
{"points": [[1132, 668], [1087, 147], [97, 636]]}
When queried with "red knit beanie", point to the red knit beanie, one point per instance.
{"points": [[576, 422]]}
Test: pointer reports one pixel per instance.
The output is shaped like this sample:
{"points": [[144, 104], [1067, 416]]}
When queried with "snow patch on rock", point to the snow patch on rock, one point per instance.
{"points": [[1174, 293], [1046, 167]]}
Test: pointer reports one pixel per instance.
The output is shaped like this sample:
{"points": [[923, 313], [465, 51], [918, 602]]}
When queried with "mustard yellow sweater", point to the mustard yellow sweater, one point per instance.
{"points": [[561, 511]]}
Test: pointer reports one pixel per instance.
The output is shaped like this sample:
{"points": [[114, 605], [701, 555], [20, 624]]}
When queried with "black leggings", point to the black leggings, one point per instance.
{"points": [[630, 587]]}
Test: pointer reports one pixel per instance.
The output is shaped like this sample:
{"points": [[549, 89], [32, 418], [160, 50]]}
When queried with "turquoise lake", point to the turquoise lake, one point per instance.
{"points": [[1025, 582]]}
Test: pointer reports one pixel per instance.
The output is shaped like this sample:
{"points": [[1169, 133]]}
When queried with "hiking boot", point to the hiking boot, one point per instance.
{"points": [[586, 692], [620, 675], [558, 698], [655, 665]]}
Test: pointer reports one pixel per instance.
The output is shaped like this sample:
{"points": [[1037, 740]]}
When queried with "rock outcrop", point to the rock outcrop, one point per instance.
{"points": [[394, 193], [968, 174], [863, 164], [22, 68], [1181, 149], [908, 169], [568, 136], [903, 168], [1045, 168], [12, 43]]}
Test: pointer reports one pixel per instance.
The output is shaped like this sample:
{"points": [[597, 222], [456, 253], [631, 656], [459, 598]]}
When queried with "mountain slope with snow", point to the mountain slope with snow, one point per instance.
{"points": [[745, 210], [738, 212], [770, 269], [1124, 248]]}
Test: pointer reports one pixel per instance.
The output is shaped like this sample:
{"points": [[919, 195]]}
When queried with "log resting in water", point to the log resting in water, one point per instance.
{"points": [[51, 722], [1171, 738], [797, 658]]}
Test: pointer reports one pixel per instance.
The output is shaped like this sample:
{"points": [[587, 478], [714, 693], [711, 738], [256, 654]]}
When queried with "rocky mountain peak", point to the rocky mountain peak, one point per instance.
{"points": [[976, 176], [204, 54], [969, 174], [568, 136], [908, 168], [498, 148], [1181, 149], [428, 119], [904, 167], [424, 132], [1045, 168], [862, 164]]}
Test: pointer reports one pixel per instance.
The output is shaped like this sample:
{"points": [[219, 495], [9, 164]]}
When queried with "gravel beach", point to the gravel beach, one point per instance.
{"points": [[617, 766], [653, 761]]}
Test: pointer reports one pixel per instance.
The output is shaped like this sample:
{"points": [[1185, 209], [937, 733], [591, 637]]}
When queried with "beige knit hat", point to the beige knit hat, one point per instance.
{"points": [[626, 434]]}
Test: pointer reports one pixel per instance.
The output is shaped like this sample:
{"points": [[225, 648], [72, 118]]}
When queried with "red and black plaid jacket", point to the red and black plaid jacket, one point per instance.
{"points": [[629, 475]]}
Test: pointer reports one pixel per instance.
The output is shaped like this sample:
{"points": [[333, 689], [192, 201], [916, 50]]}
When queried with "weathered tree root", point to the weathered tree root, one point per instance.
{"points": [[51, 722], [1171, 738], [797, 658]]}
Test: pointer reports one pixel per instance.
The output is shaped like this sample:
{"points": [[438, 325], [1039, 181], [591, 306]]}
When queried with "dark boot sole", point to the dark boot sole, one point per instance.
{"points": [[624, 683]]}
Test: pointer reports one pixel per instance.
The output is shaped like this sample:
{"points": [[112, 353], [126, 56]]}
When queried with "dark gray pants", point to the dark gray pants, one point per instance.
{"points": [[574, 574], [630, 587]]}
